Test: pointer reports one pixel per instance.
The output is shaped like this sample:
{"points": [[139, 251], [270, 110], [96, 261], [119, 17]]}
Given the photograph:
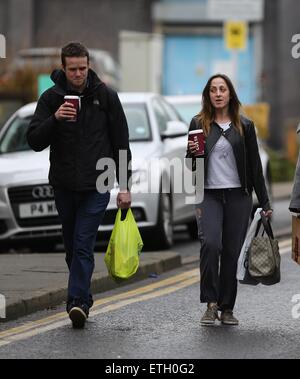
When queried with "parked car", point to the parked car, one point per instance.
{"points": [[27, 208], [187, 106], [8, 105]]}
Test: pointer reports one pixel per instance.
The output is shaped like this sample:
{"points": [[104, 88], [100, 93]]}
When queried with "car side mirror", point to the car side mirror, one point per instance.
{"points": [[175, 129]]}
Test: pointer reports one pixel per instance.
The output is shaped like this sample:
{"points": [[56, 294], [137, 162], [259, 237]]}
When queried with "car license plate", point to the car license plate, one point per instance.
{"points": [[41, 209]]}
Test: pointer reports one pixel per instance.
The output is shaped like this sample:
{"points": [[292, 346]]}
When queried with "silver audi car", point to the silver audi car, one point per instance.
{"points": [[157, 136]]}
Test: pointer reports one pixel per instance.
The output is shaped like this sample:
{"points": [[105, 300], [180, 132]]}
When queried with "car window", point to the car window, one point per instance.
{"points": [[160, 115], [7, 108], [14, 138], [171, 112], [187, 110], [138, 122]]}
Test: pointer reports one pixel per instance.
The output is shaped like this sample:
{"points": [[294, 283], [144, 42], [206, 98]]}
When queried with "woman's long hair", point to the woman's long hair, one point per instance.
{"points": [[207, 114]]}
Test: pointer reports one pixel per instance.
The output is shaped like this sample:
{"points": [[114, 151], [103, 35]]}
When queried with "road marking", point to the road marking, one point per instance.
{"points": [[145, 293], [62, 319], [8, 338], [138, 291]]}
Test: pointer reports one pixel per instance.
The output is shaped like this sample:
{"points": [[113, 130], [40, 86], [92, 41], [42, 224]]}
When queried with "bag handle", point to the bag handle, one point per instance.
{"points": [[267, 225], [124, 213], [268, 228], [259, 223]]}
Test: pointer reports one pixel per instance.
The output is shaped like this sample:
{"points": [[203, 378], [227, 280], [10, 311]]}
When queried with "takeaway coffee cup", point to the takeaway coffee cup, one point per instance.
{"points": [[75, 100], [197, 136]]}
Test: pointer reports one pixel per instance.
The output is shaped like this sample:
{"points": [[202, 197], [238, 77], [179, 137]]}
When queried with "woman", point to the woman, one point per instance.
{"points": [[232, 169]]}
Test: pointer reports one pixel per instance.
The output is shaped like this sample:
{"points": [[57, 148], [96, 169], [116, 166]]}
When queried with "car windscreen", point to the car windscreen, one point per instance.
{"points": [[14, 138], [187, 110], [138, 122]]}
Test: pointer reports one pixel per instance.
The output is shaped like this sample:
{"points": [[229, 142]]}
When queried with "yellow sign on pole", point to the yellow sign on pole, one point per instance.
{"points": [[236, 35]]}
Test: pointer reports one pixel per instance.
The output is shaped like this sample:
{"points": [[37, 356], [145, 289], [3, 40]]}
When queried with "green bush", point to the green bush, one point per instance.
{"points": [[282, 169]]}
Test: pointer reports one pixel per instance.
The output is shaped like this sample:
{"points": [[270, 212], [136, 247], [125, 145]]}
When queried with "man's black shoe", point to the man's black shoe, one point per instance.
{"points": [[78, 313], [78, 317]]}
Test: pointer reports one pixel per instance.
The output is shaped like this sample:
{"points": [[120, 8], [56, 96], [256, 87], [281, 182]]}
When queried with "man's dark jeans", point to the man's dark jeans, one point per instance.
{"points": [[81, 213]]}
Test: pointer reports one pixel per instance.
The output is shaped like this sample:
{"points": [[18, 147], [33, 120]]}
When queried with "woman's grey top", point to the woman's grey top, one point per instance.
{"points": [[222, 169]]}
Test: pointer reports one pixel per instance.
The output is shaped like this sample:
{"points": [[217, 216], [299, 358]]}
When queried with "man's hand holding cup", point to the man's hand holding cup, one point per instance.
{"points": [[69, 109]]}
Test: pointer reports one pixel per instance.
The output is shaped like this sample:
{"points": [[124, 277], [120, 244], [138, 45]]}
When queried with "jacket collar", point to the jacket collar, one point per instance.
{"points": [[212, 138], [61, 85], [215, 133]]}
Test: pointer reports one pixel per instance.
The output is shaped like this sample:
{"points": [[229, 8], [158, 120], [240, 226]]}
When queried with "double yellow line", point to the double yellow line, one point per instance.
{"points": [[107, 304]]}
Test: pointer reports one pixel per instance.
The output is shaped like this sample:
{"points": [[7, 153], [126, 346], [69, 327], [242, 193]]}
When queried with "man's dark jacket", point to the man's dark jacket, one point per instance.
{"points": [[246, 154], [75, 147]]}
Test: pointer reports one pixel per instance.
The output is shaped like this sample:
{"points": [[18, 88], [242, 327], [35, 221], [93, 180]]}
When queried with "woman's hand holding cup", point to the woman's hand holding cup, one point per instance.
{"points": [[196, 142], [192, 147]]}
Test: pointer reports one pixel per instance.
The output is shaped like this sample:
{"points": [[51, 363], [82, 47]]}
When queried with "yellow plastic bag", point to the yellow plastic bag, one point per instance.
{"points": [[124, 248]]}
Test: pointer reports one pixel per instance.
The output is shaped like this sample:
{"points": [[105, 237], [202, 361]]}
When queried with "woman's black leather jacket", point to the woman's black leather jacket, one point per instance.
{"points": [[246, 153]]}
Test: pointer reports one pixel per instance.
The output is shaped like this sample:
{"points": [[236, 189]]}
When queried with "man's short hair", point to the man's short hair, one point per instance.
{"points": [[74, 49]]}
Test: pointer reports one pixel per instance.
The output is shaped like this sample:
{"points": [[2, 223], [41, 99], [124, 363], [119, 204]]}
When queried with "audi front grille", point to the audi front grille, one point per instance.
{"points": [[24, 195]]}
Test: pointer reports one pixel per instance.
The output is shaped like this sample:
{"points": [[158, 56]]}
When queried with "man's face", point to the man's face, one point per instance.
{"points": [[76, 70]]}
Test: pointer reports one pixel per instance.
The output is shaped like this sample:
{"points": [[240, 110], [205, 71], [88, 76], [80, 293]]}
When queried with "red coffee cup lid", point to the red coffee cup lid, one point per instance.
{"points": [[196, 131]]}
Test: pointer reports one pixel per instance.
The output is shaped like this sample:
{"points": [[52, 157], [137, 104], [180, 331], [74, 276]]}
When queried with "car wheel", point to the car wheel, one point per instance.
{"points": [[193, 230]]}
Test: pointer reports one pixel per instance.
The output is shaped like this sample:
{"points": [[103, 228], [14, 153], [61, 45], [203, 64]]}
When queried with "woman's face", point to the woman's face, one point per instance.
{"points": [[219, 93]]}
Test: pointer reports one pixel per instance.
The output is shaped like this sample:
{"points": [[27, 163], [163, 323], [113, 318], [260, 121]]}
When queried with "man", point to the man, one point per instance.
{"points": [[100, 131]]}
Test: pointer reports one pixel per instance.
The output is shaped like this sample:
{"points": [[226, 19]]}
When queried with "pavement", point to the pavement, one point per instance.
{"points": [[33, 282]]}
